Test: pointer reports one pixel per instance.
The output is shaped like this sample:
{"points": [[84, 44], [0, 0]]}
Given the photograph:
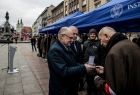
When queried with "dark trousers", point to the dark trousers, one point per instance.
{"points": [[91, 88], [33, 48], [40, 52]]}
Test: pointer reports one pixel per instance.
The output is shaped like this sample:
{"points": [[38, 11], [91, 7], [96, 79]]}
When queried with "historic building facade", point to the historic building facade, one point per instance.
{"points": [[26, 33], [46, 15], [43, 20], [71, 6], [51, 14], [58, 12]]}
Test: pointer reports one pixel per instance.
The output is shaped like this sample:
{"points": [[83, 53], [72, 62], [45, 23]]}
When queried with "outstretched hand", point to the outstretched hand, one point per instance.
{"points": [[89, 68], [99, 69]]}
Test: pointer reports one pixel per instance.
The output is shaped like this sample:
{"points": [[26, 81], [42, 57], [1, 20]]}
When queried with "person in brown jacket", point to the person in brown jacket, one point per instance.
{"points": [[122, 63]]}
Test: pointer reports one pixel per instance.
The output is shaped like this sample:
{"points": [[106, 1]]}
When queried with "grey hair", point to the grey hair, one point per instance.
{"points": [[63, 30], [107, 30]]}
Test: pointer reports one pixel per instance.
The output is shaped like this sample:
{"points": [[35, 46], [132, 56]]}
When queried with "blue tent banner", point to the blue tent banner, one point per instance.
{"points": [[120, 14], [116, 13]]}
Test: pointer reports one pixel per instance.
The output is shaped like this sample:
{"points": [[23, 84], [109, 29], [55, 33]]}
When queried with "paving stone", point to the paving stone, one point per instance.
{"points": [[44, 87], [1, 91], [25, 70], [2, 83], [31, 88], [41, 75], [34, 94], [12, 89], [14, 93], [13, 75], [29, 74], [13, 80], [33, 75], [29, 80]]}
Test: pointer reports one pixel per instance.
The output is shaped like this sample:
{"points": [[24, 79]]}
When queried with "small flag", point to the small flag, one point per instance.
{"points": [[108, 90]]}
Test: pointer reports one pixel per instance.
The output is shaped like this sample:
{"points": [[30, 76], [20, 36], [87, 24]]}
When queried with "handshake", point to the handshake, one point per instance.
{"points": [[96, 70]]}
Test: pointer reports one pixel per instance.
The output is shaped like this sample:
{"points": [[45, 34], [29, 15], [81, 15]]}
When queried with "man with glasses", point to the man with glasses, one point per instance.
{"points": [[65, 72]]}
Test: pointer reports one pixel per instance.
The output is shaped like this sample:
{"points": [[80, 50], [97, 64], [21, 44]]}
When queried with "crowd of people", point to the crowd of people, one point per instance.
{"points": [[114, 69]]}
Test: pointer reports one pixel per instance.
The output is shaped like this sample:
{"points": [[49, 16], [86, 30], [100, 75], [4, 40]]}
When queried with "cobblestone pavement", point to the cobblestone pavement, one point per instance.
{"points": [[33, 75]]}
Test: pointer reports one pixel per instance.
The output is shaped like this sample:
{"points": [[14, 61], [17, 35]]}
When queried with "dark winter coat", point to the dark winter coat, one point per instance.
{"points": [[122, 66], [77, 49], [64, 71], [33, 41], [90, 48]]}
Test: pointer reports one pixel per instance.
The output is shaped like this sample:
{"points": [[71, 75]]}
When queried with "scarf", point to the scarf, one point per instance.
{"points": [[114, 40]]}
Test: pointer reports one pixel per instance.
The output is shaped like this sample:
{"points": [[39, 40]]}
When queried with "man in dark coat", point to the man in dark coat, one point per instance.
{"points": [[39, 45], [65, 72], [90, 47], [76, 46], [33, 43], [122, 66]]}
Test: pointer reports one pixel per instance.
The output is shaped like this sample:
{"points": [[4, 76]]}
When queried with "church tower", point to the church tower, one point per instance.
{"points": [[19, 27]]}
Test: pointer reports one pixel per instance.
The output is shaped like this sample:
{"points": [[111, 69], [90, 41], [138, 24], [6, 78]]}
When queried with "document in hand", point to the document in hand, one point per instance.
{"points": [[91, 60]]}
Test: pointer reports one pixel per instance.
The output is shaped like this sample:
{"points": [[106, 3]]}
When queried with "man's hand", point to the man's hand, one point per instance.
{"points": [[99, 82], [89, 68], [99, 69]]}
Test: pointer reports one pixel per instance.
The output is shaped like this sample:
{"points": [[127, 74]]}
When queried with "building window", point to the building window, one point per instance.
{"points": [[54, 15], [72, 8], [56, 12], [97, 4], [84, 9], [72, 4], [84, 2], [62, 10], [66, 12], [77, 5], [66, 3]]}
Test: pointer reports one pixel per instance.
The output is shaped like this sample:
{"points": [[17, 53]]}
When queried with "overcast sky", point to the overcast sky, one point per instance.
{"points": [[27, 10]]}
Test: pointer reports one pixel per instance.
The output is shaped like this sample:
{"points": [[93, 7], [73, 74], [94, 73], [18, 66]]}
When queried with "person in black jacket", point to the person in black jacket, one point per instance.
{"points": [[33, 43], [64, 71], [76, 46], [39, 45], [90, 47]]}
